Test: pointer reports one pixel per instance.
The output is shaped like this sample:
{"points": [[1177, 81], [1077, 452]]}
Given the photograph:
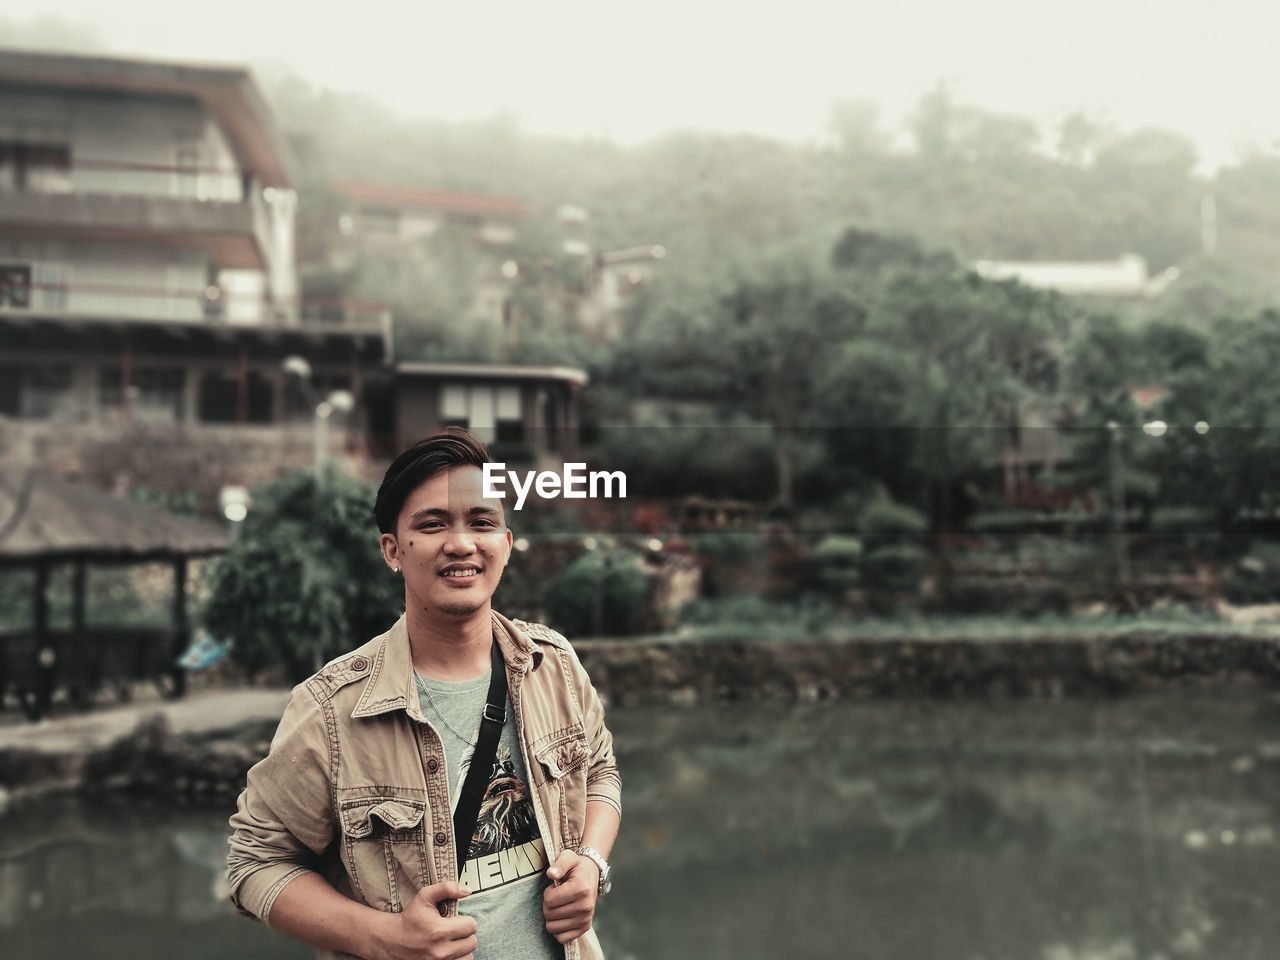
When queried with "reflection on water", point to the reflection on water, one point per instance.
{"points": [[1122, 830]]}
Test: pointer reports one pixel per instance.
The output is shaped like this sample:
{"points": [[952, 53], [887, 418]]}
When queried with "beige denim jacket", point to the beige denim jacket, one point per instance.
{"points": [[355, 788]]}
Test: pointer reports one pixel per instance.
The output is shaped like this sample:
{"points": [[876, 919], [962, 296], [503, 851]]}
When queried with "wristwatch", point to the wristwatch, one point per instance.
{"points": [[594, 856]]}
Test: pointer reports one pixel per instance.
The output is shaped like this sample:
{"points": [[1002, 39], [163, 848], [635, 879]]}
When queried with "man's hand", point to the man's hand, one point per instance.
{"points": [[421, 933], [569, 904]]}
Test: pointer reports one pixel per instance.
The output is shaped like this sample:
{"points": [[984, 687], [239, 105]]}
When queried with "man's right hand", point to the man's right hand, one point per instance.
{"points": [[422, 932]]}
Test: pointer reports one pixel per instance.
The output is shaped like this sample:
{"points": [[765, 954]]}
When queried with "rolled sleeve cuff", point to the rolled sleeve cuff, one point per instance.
{"points": [[608, 789], [258, 891]]}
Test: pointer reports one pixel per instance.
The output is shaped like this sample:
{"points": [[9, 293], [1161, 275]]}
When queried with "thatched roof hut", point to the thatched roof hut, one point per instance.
{"points": [[45, 521], [43, 516]]}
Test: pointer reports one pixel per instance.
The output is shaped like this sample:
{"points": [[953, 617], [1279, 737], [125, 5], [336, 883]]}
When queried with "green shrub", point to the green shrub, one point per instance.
{"points": [[883, 517], [600, 593], [893, 558], [303, 580], [839, 559]]}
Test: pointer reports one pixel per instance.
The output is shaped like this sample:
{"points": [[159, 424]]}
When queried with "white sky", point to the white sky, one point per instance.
{"points": [[633, 71]]}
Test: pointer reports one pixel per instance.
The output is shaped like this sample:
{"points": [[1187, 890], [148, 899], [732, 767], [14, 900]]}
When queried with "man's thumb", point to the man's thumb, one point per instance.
{"points": [[446, 890], [560, 869]]}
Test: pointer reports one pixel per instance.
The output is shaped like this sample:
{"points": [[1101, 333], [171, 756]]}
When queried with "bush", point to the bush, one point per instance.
{"points": [[303, 580], [605, 586], [839, 560], [883, 517], [893, 558]]}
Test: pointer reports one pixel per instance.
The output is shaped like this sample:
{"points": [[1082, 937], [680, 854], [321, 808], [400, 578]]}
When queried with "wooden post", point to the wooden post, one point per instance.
{"points": [[46, 656], [126, 384], [242, 388], [80, 643], [181, 627]]}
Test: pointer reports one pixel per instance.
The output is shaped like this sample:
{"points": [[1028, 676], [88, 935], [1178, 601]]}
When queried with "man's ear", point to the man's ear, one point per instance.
{"points": [[390, 548]]}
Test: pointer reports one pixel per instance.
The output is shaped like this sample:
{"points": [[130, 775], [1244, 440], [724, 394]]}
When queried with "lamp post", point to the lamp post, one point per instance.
{"points": [[340, 401]]}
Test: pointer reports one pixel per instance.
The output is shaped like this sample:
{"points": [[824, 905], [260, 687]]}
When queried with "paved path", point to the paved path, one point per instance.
{"points": [[202, 712]]}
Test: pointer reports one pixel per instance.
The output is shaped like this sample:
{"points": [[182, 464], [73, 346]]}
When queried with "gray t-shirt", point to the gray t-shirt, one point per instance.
{"points": [[507, 864]]}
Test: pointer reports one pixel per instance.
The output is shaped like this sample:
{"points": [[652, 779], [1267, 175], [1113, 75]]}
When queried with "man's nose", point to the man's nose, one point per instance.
{"points": [[459, 542]]}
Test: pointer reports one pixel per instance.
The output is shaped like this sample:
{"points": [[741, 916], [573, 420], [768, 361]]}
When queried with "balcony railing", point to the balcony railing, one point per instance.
{"points": [[86, 175], [212, 304]]}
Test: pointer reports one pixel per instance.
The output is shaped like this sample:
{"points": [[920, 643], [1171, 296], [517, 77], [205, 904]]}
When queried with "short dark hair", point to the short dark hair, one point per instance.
{"points": [[422, 461]]}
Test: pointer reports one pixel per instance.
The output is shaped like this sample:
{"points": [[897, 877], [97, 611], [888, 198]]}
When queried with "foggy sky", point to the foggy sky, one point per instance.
{"points": [[630, 72]]}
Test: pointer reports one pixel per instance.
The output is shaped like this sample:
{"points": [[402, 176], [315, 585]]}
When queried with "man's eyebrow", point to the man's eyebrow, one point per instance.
{"points": [[430, 512], [441, 512]]}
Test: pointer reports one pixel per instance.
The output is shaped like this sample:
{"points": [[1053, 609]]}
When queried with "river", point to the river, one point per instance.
{"points": [[1142, 828]]}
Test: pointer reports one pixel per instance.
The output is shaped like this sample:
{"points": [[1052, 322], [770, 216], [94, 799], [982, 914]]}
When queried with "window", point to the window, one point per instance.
{"points": [[43, 166], [46, 392], [490, 412], [222, 401], [10, 390], [155, 394], [15, 285]]}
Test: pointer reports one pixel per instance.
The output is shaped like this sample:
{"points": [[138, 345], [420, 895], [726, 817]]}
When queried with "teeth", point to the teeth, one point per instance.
{"points": [[459, 573]]}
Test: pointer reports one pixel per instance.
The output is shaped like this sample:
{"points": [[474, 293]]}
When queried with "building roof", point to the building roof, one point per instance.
{"points": [[492, 371], [633, 254], [43, 516], [476, 204], [1125, 276], [369, 343], [227, 92]]}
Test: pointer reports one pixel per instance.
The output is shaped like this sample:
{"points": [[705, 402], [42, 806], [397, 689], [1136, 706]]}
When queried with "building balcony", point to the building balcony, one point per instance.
{"points": [[235, 234]]}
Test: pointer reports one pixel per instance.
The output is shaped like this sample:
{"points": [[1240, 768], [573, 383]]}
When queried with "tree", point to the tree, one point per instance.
{"points": [[303, 580], [752, 344], [939, 373]]}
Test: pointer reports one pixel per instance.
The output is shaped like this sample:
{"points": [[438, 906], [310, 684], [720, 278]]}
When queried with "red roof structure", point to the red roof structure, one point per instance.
{"points": [[448, 200]]}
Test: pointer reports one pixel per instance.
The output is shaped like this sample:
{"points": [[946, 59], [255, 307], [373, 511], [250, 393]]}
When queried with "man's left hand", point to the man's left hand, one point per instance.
{"points": [[569, 904]]}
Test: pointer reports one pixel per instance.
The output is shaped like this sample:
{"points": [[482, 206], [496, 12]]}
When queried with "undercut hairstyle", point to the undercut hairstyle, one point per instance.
{"points": [[422, 461]]}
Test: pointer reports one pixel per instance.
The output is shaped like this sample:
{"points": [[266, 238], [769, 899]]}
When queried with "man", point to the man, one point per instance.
{"points": [[343, 837]]}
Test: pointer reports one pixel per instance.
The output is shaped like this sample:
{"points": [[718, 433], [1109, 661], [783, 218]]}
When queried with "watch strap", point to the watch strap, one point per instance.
{"points": [[592, 854]]}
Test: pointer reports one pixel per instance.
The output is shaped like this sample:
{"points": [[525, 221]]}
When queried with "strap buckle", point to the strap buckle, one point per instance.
{"points": [[501, 711]]}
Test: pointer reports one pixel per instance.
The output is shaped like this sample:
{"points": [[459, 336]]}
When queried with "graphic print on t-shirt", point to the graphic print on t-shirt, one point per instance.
{"points": [[506, 846]]}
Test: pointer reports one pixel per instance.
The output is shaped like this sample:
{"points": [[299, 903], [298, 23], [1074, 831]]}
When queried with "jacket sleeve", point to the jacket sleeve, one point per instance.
{"points": [[284, 817], [603, 780]]}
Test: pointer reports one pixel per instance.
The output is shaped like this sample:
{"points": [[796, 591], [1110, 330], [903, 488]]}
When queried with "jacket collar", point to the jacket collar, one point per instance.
{"points": [[392, 685]]}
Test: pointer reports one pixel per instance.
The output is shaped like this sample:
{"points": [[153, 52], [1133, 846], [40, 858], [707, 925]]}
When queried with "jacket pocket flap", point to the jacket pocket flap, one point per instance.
{"points": [[563, 756], [360, 818]]}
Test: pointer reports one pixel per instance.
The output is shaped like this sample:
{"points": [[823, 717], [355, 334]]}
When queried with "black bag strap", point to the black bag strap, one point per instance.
{"points": [[477, 781]]}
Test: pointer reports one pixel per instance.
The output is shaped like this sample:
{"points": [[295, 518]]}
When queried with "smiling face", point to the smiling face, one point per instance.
{"points": [[451, 544]]}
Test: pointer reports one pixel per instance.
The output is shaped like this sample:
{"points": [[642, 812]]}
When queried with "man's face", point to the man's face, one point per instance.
{"points": [[451, 544]]}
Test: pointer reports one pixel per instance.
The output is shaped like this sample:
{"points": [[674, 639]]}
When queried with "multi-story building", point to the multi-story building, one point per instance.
{"points": [[150, 318], [148, 277]]}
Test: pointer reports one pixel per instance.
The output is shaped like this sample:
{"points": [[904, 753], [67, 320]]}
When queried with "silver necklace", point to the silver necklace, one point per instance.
{"points": [[422, 685]]}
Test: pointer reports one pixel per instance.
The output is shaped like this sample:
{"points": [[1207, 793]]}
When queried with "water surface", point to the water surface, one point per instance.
{"points": [[1134, 829]]}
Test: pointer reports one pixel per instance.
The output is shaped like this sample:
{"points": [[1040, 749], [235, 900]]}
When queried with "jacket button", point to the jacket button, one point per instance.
{"points": [[359, 663], [443, 907], [441, 839], [433, 764]]}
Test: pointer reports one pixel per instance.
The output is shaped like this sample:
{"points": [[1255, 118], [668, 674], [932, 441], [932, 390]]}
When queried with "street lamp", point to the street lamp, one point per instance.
{"points": [[339, 401]]}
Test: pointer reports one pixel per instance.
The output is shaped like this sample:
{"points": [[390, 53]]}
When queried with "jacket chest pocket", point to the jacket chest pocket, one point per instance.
{"points": [[383, 846], [562, 759]]}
